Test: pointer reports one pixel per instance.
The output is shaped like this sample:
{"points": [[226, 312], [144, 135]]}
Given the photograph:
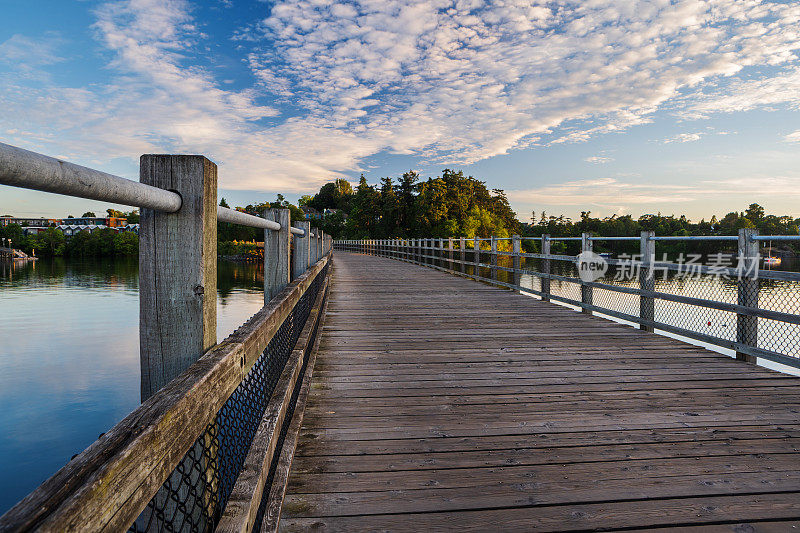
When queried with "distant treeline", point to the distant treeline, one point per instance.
{"points": [[51, 242], [453, 204], [449, 205], [753, 217]]}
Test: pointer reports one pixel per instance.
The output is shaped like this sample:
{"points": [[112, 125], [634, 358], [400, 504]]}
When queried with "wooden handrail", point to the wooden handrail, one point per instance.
{"points": [[107, 486]]}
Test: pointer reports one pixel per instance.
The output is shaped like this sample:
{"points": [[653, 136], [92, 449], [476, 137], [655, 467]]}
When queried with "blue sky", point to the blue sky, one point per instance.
{"points": [[604, 106]]}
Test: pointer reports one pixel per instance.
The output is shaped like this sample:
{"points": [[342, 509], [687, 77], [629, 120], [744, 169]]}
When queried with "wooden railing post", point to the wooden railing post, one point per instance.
{"points": [[450, 253], [440, 252], [586, 291], [494, 257], [647, 282], [177, 269], [747, 292], [476, 254], [516, 241], [546, 268], [276, 254], [462, 246], [302, 250]]}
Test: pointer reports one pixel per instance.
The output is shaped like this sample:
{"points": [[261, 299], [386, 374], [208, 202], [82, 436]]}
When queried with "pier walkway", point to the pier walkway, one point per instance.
{"points": [[441, 403]]}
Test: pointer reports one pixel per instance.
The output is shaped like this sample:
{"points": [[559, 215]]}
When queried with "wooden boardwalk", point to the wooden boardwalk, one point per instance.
{"points": [[439, 403]]}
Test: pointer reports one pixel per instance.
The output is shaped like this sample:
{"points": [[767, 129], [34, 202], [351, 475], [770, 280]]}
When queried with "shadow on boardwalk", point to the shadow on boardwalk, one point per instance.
{"points": [[442, 403]]}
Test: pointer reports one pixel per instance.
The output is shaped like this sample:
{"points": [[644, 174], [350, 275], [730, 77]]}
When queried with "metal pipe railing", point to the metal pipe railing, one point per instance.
{"points": [[30, 170], [695, 238]]}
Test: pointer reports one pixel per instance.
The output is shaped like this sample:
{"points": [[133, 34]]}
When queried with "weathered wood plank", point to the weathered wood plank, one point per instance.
{"points": [[440, 404], [280, 479]]}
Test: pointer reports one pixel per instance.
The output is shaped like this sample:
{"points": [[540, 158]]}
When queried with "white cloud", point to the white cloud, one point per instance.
{"points": [[793, 137], [451, 81], [744, 95], [22, 51], [599, 159], [683, 138]]}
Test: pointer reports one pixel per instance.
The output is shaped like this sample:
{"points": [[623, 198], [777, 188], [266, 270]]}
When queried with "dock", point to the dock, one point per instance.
{"points": [[438, 403]]}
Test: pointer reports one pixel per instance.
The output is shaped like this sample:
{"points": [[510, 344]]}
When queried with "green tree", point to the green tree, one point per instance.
{"points": [[389, 209], [365, 211], [754, 213], [406, 191]]}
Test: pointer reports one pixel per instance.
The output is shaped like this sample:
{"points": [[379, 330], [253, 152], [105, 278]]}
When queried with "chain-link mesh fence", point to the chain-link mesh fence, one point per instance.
{"points": [[690, 280], [194, 496], [774, 335]]}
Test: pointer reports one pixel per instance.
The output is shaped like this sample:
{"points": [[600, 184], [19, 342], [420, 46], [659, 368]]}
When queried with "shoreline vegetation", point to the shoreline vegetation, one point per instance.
{"points": [[450, 205]]}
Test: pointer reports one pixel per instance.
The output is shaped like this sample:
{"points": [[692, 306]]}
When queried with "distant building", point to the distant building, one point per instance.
{"points": [[73, 229], [30, 222], [111, 222], [330, 211], [310, 213]]}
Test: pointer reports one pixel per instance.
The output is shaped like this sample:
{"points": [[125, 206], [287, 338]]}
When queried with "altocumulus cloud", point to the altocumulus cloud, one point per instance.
{"points": [[453, 81]]}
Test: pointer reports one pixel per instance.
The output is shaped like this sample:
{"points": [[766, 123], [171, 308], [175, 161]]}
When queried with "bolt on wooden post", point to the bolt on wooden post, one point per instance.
{"points": [[586, 291], [747, 292], [177, 269], [276, 254], [546, 268], [647, 282], [302, 250]]}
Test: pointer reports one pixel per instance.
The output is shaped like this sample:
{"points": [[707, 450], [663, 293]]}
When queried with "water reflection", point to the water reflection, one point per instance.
{"points": [[69, 356]]}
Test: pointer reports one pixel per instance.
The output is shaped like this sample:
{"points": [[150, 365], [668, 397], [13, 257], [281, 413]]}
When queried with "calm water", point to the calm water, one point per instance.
{"points": [[69, 357]]}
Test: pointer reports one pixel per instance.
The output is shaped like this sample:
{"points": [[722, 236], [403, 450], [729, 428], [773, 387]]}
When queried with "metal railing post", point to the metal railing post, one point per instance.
{"points": [[494, 258], [586, 291], [647, 281], [276, 254], [462, 245], [177, 269], [302, 249], [747, 292], [546, 268], [516, 242]]}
